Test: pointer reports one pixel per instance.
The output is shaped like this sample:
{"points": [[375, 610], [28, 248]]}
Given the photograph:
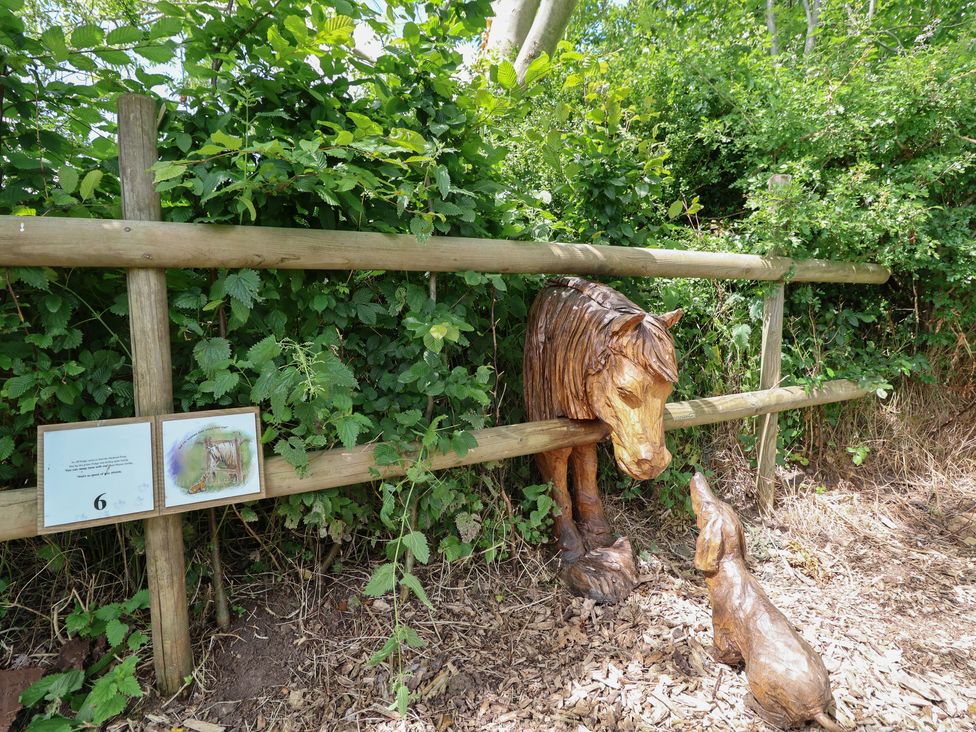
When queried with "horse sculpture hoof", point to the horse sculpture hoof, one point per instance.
{"points": [[606, 574]]}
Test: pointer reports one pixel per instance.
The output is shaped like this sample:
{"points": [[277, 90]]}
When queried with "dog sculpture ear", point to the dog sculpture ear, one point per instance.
{"points": [[708, 549]]}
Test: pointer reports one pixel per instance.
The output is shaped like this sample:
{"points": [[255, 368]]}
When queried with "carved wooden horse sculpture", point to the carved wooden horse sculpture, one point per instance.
{"points": [[787, 678], [590, 353]]}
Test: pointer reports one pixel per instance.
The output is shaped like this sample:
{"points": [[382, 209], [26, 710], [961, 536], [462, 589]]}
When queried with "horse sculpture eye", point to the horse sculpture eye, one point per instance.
{"points": [[628, 396]]}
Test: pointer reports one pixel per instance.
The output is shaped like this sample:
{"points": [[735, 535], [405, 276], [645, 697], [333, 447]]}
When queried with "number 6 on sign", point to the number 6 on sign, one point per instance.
{"points": [[94, 473]]}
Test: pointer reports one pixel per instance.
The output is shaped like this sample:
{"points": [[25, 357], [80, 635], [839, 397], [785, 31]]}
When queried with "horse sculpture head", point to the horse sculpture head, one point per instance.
{"points": [[629, 388], [591, 353]]}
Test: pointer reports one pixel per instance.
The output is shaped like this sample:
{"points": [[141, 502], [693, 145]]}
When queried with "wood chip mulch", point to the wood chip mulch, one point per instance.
{"points": [[882, 588]]}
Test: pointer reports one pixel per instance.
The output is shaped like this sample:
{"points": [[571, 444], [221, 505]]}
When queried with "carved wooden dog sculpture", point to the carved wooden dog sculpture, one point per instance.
{"points": [[786, 676], [590, 353]]}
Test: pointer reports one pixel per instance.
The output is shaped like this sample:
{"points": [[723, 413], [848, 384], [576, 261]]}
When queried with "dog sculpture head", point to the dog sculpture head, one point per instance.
{"points": [[721, 534]]}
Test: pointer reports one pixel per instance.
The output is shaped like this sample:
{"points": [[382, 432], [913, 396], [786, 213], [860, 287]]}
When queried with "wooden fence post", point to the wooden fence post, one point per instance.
{"points": [[772, 347], [152, 381]]}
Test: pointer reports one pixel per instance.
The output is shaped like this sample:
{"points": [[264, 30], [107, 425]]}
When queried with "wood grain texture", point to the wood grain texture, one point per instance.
{"points": [[152, 376], [772, 354], [62, 242], [341, 467]]}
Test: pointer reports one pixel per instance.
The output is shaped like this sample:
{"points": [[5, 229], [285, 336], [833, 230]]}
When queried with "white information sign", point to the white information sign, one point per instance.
{"points": [[95, 472], [210, 458]]}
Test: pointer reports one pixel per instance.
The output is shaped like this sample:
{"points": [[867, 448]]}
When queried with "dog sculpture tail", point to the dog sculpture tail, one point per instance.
{"points": [[827, 723]]}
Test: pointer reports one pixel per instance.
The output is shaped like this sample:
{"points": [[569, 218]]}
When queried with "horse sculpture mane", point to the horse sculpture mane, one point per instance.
{"points": [[585, 312]]}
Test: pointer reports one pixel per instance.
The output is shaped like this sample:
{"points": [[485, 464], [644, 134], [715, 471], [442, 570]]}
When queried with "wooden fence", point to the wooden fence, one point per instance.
{"points": [[147, 246]]}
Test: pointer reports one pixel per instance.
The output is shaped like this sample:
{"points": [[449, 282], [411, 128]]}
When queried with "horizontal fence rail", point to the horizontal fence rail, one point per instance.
{"points": [[28, 241], [341, 467]]}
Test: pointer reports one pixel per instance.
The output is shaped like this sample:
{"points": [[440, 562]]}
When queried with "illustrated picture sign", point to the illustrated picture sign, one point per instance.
{"points": [[94, 473], [209, 458], [103, 472]]}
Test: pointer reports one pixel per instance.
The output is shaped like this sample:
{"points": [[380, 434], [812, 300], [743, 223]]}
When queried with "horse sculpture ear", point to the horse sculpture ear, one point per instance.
{"points": [[670, 319], [626, 323], [709, 547]]}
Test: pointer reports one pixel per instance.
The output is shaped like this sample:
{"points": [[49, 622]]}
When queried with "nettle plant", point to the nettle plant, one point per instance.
{"points": [[83, 698]]}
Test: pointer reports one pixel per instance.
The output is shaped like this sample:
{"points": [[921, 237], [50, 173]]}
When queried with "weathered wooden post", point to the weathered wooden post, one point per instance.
{"points": [[772, 350], [152, 380]]}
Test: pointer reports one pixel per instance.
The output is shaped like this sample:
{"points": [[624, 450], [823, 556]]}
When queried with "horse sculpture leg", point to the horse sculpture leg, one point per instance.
{"points": [[606, 572], [554, 466], [590, 520]]}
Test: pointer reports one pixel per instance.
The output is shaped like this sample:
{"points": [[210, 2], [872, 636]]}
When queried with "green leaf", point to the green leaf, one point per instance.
{"points": [[402, 699], [183, 141], [537, 69], [165, 27], [86, 36], [158, 54], [675, 209], [421, 228], [364, 123], [740, 335], [263, 351], [137, 640], [294, 452], [337, 29], [54, 724], [417, 543], [139, 601], [390, 645], [114, 57], [17, 386], [6, 447], [224, 382], [212, 353], [89, 184], [506, 75], [167, 170], [382, 580], [297, 27], [230, 142], [411, 581], [124, 35], [409, 139], [348, 429], [243, 285], [443, 179], [572, 80], [104, 701], [53, 687], [53, 40], [115, 632], [411, 33]]}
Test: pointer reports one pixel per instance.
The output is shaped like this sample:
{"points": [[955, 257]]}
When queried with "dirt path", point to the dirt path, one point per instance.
{"points": [[883, 587]]}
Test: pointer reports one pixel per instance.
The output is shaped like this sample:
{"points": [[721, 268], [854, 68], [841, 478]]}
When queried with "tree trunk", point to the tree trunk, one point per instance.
{"points": [[812, 9], [771, 25], [510, 26], [547, 29]]}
